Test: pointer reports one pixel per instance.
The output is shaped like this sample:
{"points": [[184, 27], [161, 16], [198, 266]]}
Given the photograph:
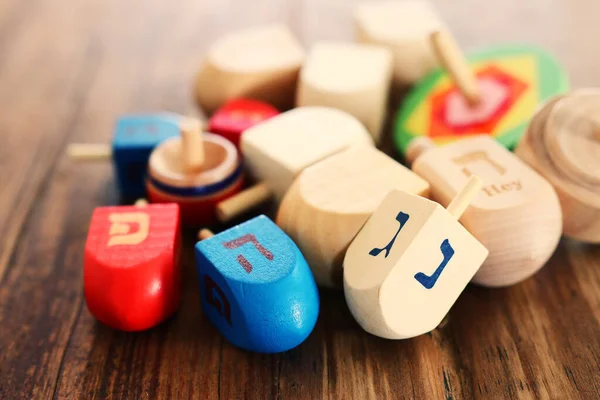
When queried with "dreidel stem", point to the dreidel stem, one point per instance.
{"points": [[243, 201], [205, 234], [141, 203], [192, 146], [461, 202], [89, 152], [454, 62]]}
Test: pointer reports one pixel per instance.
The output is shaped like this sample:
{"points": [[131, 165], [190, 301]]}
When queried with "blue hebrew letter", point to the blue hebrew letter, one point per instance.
{"points": [[401, 218], [216, 298], [429, 281]]}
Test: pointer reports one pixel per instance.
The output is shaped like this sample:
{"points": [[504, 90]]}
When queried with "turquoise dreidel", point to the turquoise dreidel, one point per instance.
{"points": [[256, 287]]}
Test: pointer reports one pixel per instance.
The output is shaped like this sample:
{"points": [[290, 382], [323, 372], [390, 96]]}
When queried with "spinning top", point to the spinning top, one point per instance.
{"points": [[563, 144], [196, 171], [493, 92]]}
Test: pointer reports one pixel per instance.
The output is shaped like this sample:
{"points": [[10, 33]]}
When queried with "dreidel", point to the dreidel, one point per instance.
{"points": [[562, 143], [135, 137], [256, 287], [277, 150], [410, 262], [494, 91], [330, 201], [195, 170], [131, 265], [237, 115], [516, 215]]}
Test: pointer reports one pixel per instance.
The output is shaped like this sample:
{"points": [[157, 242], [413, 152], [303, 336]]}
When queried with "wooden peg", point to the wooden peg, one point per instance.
{"points": [[245, 200], [141, 202], [451, 58], [89, 152], [408, 264], [192, 147], [204, 234], [514, 202], [463, 199], [256, 288]]}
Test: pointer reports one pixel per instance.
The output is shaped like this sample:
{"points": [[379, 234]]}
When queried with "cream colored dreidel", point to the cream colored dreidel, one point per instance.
{"points": [[330, 201], [351, 77], [563, 144], [409, 263], [277, 150], [260, 63], [403, 27], [516, 215]]}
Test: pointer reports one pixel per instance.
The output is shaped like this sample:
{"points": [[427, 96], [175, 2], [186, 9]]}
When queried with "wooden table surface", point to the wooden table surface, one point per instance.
{"points": [[69, 68]]}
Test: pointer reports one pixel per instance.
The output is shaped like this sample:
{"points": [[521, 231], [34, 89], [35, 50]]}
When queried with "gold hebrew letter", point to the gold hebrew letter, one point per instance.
{"points": [[477, 156], [121, 225]]}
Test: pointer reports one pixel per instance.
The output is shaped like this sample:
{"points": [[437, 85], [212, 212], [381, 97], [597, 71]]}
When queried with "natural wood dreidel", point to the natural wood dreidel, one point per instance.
{"points": [[131, 265], [237, 115], [256, 288], [493, 91], [260, 63], [134, 139], [563, 145], [195, 170], [403, 28], [516, 215], [330, 201], [409, 263], [351, 77], [277, 150]]}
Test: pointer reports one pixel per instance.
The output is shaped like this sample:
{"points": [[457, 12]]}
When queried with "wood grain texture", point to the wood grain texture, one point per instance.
{"points": [[69, 69]]}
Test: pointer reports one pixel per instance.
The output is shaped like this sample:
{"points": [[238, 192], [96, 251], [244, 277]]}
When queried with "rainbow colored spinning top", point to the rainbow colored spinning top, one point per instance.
{"points": [[511, 82]]}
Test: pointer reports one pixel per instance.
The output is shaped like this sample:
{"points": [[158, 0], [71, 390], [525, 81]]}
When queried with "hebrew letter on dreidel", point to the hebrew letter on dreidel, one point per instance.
{"points": [[429, 281], [249, 238], [477, 156], [121, 225], [219, 301], [401, 218]]}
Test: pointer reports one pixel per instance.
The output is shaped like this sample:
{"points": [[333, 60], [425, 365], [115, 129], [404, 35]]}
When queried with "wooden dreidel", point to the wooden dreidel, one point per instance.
{"points": [[351, 77], [563, 145], [256, 288], [237, 115], [403, 28], [516, 215], [259, 63], [493, 92], [330, 201], [195, 170], [409, 263], [134, 139], [131, 265], [277, 150]]}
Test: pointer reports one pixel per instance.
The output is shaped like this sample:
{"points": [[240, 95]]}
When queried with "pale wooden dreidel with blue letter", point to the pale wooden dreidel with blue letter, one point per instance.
{"points": [[410, 262], [134, 139], [256, 287]]}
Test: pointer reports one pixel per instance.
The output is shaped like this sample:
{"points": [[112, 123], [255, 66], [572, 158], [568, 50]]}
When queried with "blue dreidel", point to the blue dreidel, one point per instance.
{"points": [[134, 139], [256, 287]]}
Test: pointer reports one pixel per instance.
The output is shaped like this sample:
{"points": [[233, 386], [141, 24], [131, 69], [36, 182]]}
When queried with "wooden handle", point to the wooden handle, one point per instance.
{"points": [[205, 234], [459, 204], [417, 147], [451, 58], [141, 203], [192, 146], [89, 152], [243, 201]]}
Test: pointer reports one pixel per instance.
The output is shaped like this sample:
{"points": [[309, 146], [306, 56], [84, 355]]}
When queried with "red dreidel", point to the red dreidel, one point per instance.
{"points": [[131, 265], [196, 171], [237, 115]]}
